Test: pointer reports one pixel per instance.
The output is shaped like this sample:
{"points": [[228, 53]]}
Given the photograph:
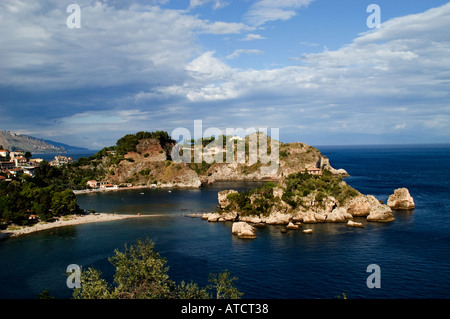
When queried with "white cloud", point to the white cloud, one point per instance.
{"points": [[114, 46], [356, 86], [220, 27], [216, 4], [263, 11], [207, 67], [253, 36], [238, 52], [393, 79], [400, 126]]}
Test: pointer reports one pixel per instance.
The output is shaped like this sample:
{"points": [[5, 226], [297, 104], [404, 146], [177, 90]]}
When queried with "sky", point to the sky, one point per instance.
{"points": [[314, 69]]}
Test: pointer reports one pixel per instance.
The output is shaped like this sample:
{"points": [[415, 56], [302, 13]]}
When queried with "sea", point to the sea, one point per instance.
{"points": [[407, 259]]}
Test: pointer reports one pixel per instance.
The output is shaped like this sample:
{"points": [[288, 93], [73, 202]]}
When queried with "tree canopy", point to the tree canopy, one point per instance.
{"points": [[141, 273]]}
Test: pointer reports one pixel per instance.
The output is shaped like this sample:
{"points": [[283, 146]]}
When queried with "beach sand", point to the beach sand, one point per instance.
{"points": [[14, 231]]}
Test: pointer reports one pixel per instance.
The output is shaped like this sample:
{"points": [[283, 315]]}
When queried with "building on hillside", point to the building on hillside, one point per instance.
{"points": [[16, 154], [20, 161], [61, 160], [4, 153], [7, 165], [313, 171], [100, 184], [36, 161], [92, 184]]}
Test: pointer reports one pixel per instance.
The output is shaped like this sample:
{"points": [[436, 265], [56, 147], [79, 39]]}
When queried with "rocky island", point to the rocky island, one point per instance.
{"points": [[302, 198]]}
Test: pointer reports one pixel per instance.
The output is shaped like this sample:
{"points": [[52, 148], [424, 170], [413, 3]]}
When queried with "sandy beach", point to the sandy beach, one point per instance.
{"points": [[14, 231]]}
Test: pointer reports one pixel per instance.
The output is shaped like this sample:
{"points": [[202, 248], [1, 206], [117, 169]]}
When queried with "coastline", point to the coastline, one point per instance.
{"points": [[109, 189], [112, 189], [68, 220]]}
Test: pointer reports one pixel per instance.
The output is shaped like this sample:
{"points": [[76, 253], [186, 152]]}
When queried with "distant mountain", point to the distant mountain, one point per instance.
{"points": [[69, 148], [12, 141]]}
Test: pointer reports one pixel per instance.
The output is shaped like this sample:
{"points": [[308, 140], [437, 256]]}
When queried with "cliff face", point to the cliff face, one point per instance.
{"points": [[149, 166]]}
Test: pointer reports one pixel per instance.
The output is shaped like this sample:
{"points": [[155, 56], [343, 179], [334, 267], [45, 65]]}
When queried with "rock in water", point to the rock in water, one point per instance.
{"points": [[243, 230], [291, 226], [338, 215], [401, 199], [379, 212], [351, 223], [358, 206]]}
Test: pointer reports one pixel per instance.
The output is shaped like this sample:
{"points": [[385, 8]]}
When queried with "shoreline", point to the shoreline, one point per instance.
{"points": [[167, 186], [68, 220]]}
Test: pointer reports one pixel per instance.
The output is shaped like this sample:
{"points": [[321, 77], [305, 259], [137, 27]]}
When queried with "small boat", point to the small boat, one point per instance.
{"points": [[170, 191]]}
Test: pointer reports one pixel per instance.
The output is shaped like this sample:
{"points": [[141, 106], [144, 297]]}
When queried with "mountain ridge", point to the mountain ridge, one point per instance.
{"points": [[14, 141]]}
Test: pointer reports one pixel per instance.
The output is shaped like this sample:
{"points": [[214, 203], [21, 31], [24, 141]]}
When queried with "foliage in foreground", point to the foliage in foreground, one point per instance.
{"points": [[141, 273]]}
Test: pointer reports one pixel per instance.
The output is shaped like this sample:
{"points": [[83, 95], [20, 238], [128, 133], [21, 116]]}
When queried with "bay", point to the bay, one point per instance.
{"points": [[413, 252]]}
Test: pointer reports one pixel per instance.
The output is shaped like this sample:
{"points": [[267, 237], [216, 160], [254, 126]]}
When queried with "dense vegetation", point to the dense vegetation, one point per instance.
{"points": [[300, 185], [21, 198], [128, 142], [141, 273], [253, 201]]}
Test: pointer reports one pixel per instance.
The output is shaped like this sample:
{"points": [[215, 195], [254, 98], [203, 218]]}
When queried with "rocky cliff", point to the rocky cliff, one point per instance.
{"points": [[149, 165]]}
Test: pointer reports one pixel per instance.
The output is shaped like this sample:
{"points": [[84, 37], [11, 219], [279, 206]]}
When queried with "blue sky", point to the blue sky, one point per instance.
{"points": [[312, 68]]}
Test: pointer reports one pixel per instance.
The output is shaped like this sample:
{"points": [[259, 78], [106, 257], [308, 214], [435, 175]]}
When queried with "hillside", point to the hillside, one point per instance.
{"points": [[12, 141], [145, 159]]}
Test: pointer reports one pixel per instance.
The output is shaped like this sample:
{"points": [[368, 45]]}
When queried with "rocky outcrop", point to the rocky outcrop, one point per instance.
{"points": [[379, 212], [313, 218], [351, 223], [292, 226], [338, 215], [222, 197], [370, 207], [358, 206], [243, 230], [149, 166], [277, 218], [401, 199], [324, 163]]}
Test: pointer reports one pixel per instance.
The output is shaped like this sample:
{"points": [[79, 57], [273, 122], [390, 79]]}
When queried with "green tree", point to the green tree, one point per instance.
{"points": [[45, 294], [64, 203], [141, 273], [28, 155], [92, 286], [223, 285]]}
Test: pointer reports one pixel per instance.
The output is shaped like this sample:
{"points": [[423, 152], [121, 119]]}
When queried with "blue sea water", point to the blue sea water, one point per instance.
{"points": [[413, 252]]}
